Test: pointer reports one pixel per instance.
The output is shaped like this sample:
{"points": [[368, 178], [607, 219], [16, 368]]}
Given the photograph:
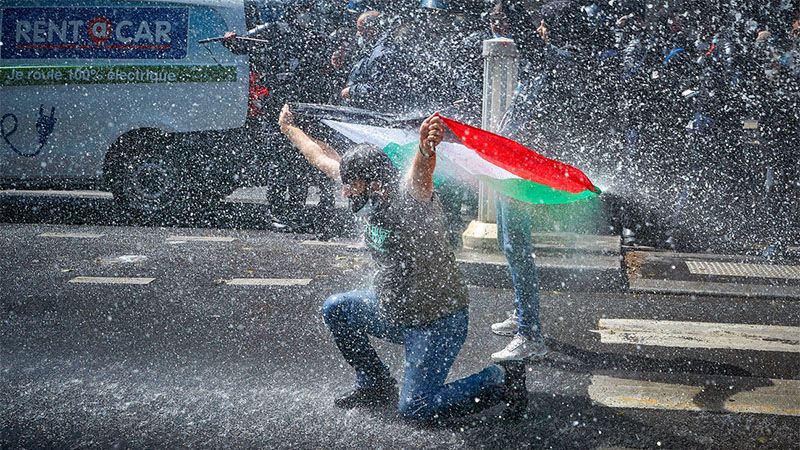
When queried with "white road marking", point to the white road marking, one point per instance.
{"points": [[268, 281], [112, 280], [744, 270], [760, 396], [350, 245], [49, 193], [73, 235], [325, 243], [666, 333], [184, 239], [123, 259]]}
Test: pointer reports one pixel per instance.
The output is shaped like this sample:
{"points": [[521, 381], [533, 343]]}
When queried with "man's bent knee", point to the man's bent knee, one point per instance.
{"points": [[333, 308]]}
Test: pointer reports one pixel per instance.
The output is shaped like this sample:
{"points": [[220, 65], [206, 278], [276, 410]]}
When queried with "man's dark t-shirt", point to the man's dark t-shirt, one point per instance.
{"points": [[417, 280]]}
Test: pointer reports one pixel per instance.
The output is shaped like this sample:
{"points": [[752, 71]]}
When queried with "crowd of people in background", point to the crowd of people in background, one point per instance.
{"points": [[685, 112]]}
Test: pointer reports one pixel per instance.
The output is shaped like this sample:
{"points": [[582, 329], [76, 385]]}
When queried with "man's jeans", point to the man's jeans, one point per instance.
{"points": [[514, 224], [430, 351]]}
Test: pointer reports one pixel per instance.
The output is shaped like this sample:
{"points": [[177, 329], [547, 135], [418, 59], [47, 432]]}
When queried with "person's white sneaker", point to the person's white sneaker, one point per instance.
{"points": [[508, 327], [520, 349]]}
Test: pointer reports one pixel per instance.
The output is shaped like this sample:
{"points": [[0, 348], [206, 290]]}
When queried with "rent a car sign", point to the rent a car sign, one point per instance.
{"points": [[96, 32]]}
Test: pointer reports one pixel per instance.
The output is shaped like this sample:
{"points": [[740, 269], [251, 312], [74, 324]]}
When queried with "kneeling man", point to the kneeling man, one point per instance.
{"points": [[418, 299]]}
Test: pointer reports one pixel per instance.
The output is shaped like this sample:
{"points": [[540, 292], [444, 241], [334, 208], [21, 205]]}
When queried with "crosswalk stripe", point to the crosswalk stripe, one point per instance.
{"points": [[176, 239], [73, 235], [112, 280], [721, 268], [666, 333], [268, 281], [762, 396]]}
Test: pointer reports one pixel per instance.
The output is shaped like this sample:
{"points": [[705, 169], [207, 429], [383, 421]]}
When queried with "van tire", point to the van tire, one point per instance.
{"points": [[147, 174]]}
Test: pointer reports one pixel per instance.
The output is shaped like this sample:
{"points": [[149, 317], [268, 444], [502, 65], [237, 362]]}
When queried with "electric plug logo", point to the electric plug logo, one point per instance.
{"points": [[44, 128]]}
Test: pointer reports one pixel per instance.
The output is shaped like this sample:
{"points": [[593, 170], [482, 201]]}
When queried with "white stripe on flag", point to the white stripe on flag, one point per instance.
{"points": [[454, 153], [667, 333], [368, 134]]}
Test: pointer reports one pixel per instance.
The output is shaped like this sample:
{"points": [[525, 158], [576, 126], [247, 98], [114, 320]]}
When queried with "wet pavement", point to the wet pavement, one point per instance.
{"points": [[133, 337]]}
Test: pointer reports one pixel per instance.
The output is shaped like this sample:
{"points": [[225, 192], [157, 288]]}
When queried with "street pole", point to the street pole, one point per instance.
{"points": [[500, 72]]}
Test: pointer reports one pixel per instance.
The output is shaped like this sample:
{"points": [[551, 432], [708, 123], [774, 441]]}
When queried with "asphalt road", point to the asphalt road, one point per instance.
{"points": [[189, 358]]}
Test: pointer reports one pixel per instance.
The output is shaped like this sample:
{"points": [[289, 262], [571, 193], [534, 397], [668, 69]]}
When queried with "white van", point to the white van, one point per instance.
{"points": [[121, 94]]}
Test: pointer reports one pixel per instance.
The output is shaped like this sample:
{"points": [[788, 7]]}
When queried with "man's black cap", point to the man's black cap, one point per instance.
{"points": [[369, 163]]}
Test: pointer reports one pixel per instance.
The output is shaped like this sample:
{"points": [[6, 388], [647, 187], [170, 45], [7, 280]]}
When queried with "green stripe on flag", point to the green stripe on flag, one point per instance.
{"points": [[115, 74], [403, 155], [534, 193]]}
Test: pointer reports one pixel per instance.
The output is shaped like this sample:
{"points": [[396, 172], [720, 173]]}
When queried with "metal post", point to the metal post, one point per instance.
{"points": [[500, 71]]}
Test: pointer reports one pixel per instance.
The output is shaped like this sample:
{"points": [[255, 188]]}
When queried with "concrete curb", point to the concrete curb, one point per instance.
{"points": [[481, 236], [670, 282], [655, 286], [601, 273]]}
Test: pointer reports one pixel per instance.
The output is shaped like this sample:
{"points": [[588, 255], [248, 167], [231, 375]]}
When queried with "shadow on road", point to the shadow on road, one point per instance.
{"points": [[720, 381], [582, 361], [562, 421]]}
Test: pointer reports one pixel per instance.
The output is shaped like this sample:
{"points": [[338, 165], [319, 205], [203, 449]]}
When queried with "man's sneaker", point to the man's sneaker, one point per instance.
{"points": [[521, 348], [516, 393], [383, 394], [508, 327]]}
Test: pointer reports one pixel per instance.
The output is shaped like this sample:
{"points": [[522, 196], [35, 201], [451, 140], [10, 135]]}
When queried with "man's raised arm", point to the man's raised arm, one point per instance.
{"points": [[318, 153], [419, 181]]}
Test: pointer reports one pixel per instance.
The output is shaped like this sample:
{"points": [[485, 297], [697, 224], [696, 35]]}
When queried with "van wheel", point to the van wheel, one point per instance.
{"points": [[147, 176]]}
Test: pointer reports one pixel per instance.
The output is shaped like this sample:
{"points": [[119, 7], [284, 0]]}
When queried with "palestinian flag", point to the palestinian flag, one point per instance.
{"points": [[506, 166]]}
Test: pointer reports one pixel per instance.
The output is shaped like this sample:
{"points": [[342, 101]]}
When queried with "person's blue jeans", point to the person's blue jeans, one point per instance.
{"points": [[514, 226], [429, 353]]}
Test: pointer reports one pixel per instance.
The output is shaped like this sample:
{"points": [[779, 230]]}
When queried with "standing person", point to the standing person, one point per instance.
{"points": [[633, 82], [418, 299], [450, 83], [377, 80], [287, 61], [542, 36], [672, 81], [712, 91], [777, 178]]}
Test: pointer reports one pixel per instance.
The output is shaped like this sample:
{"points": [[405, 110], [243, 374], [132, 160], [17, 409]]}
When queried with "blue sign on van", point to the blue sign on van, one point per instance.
{"points": [[120, 33]]}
